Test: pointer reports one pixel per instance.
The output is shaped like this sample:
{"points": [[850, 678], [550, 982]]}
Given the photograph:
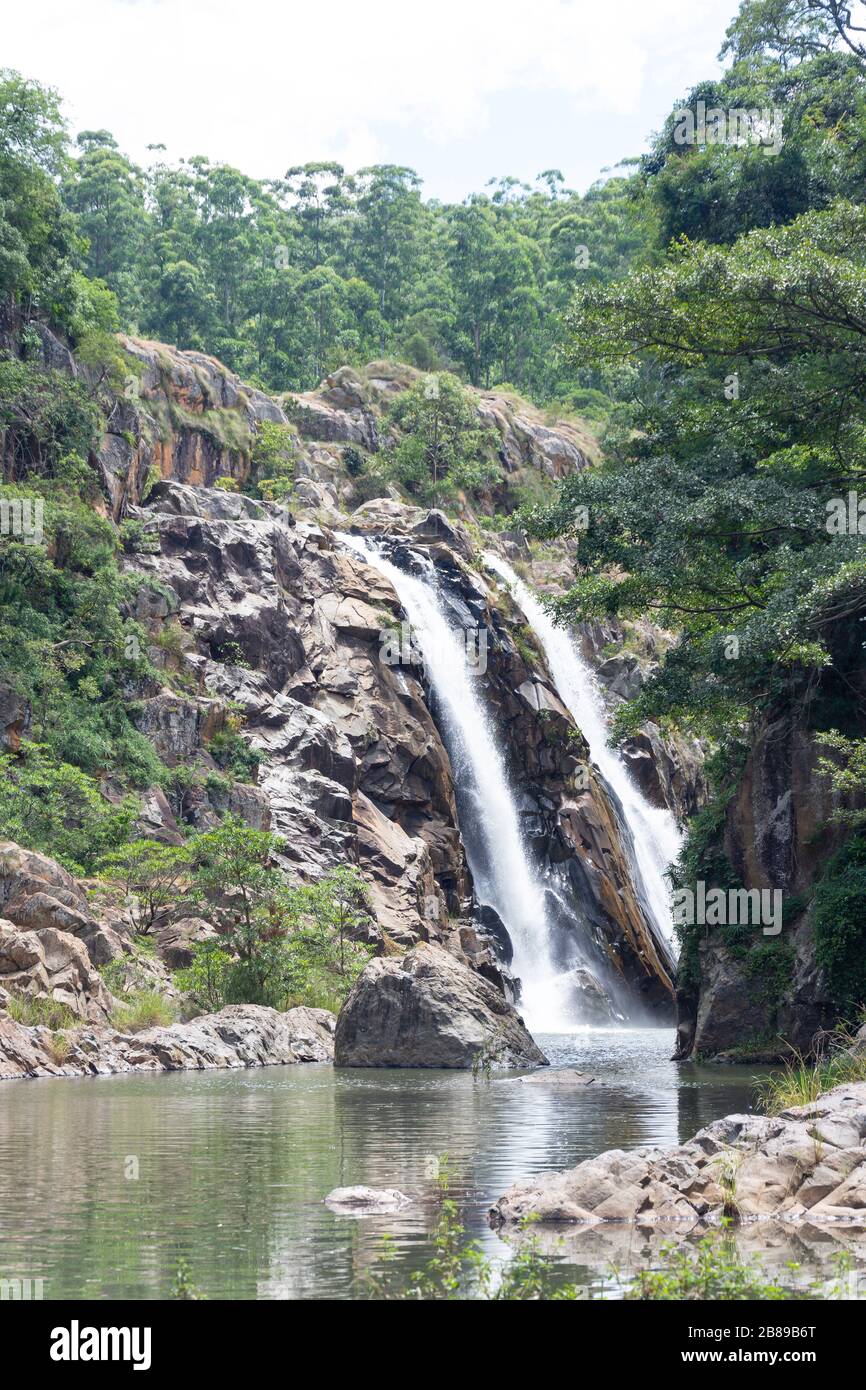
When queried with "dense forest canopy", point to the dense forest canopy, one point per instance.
{"points": [[287, 279]]}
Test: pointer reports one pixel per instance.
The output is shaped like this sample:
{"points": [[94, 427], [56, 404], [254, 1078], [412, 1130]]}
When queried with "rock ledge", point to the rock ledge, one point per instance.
{"points": [[808, 1163], [242, 1035]]}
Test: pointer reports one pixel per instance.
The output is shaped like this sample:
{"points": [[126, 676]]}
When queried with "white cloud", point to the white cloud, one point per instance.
{"points": [[266, 84]]}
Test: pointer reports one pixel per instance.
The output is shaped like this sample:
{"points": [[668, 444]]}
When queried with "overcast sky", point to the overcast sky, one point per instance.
{"points": [[460, 90]]}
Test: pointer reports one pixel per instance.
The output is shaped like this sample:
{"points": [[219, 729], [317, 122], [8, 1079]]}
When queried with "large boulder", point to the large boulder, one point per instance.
{"points": [[51, 964], [427, 1009], [24, 872], [38, 895], [176, 940]]}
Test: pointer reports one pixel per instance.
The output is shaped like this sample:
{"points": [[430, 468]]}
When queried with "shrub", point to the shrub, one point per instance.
{"points": [[136, 538], [354, 461], [803, 1080], [59, 1047], [231, 750], [283, 943], [205, 982], [839, 926], [274, 455], [55, 808], [32, 1011], [442, 448]]}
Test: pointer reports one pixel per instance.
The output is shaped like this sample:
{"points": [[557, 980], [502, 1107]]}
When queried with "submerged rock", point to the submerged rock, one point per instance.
{"points": [[806, 1164], [427, 1009], [362, 1201], [565, 1077]]}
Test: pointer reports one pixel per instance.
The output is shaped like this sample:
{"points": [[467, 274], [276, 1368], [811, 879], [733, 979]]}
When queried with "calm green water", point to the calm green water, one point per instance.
{"points": [[232, 1167]]}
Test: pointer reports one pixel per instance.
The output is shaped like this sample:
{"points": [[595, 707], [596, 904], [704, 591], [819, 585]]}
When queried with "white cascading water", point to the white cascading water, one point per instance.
{"points": [[654, 831], [504, 875]]}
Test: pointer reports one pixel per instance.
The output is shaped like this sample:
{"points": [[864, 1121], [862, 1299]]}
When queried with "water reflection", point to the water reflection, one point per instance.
{"points": [[232, 1168]]}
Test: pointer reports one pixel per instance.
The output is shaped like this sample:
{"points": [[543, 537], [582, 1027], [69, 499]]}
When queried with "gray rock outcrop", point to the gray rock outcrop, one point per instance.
{"points": [[427, 1009], [808, 1163], [242, 1035]]}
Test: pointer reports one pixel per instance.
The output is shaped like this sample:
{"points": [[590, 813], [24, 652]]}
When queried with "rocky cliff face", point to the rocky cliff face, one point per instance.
{"points": [[766, 996], [184, 416], [274, 619], [262, 627]]}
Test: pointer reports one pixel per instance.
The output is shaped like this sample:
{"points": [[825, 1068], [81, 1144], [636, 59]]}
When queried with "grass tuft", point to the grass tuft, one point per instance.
{"points": [[803, 1081], [146, 1009], [33, 1012]]}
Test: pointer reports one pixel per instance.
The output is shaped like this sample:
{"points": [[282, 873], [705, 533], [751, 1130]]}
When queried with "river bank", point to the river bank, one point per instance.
{"points": [[241, 1035]]}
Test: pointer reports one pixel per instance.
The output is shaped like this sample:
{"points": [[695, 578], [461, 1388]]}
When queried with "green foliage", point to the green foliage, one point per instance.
{"points": [[57, 809], [324, 954], [35, 1012], [846, 770], [839, 926], [354, 461], [274, 455], [46, 416], [64, 640], [710, 512], [288, 279], [711, 1269], [206, 981], [136, 539], [184, 1289], [230, 749], [144, 1009], [151, 874], [804, 1080], [441, 450], [282, 943]]}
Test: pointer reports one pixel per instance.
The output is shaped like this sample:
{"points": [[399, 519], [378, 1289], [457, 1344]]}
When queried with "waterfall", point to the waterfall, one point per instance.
{"points": [[652, 831], [502, 868]]}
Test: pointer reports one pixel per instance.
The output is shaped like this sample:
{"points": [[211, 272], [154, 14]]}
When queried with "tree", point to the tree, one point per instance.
{"points": [[712, 510], [285, 941], [388, 226], [339, 904], [107, 193], [54, 807], [442, 446], [320, 197], [274, 456], [152, 875]]}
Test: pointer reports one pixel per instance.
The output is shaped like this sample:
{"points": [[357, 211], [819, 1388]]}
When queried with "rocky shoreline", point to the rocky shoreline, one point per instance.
{"points": [[805, 1165], [241, 1035]]}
